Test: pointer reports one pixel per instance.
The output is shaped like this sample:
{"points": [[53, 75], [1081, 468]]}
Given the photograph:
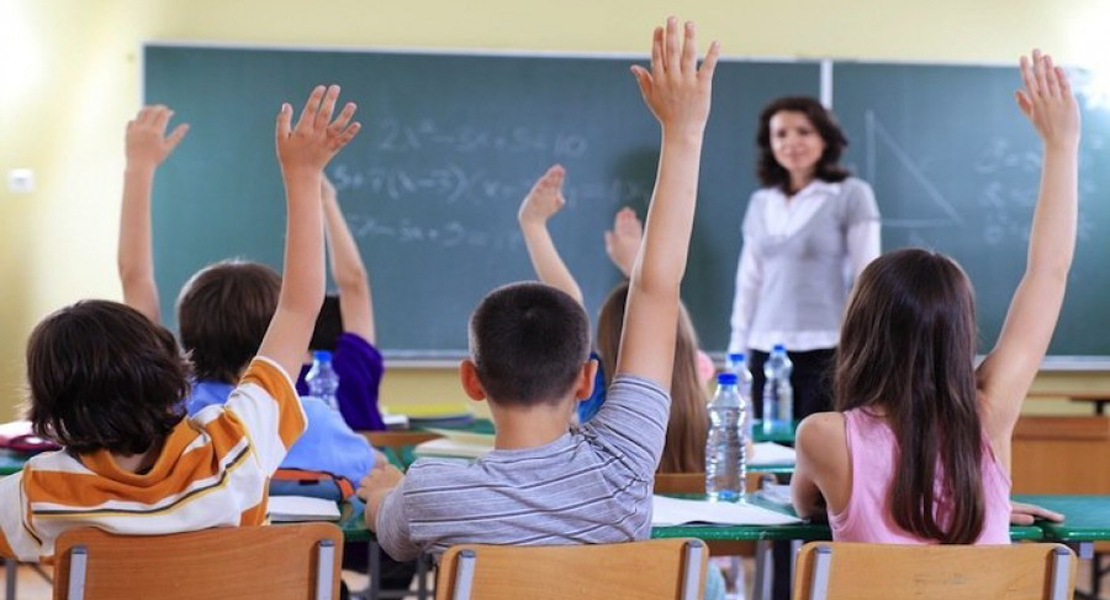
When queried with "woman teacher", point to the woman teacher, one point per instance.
{"points": [[808, 232]]}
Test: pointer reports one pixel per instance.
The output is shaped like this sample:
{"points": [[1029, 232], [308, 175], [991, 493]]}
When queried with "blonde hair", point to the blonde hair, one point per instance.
{"points": [[684, 450]]}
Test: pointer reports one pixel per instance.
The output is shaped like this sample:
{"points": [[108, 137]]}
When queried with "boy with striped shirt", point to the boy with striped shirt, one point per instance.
{"points": [[107, 384], [543, 484]]}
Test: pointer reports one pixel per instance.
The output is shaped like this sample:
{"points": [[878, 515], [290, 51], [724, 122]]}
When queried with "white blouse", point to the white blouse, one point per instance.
{"points": [[800, 257]]}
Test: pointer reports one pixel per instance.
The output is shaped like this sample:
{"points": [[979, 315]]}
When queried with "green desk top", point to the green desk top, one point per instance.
{"points": [[354, 529], [1086, 518], [11, 463]]}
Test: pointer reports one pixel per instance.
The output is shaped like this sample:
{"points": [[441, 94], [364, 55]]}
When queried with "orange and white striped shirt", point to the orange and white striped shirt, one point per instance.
{"points": [[213, 471]]}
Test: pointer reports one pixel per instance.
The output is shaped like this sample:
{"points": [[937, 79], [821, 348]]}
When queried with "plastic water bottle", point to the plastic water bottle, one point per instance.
{"points": [[778, 395], [737, 362], [322, 380], [726, 445]]}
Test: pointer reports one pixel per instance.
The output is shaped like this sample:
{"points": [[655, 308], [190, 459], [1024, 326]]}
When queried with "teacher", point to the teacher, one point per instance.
{"points": [[808, 233]]}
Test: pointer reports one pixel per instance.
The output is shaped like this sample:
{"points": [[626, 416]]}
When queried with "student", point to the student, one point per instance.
{"points": [[544, 484], [684, 450], [107, 383], [222, 311], [919, 451], [345, 326]]}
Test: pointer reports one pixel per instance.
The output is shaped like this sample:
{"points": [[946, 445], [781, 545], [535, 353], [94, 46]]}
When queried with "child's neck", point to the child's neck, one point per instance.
{"points": [[138, 463], [521, 427]]}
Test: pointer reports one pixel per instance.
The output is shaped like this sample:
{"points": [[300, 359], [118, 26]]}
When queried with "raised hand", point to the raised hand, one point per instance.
{"points": [[545, 198], [1047, 100], [316, 138], [146, 141], [676, 90], [623, 241]]}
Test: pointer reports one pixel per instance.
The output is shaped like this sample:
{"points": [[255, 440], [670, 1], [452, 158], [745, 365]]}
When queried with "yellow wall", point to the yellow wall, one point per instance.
{"points": [[69, 80]]}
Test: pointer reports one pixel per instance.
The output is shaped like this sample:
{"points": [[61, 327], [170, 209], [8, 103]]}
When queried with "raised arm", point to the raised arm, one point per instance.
{"points": [[1008, 371], [622, 242], [542, 202], [356, 304], [678, 94], [303, 151], [147, 145]]}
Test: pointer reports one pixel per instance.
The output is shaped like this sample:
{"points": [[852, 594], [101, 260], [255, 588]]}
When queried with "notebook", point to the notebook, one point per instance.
{"points": [[675, 511], [302, 508]]}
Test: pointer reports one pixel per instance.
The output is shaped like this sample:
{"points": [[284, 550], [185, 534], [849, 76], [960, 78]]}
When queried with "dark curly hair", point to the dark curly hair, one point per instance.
{"points": [[770, 172], [103, 376]]}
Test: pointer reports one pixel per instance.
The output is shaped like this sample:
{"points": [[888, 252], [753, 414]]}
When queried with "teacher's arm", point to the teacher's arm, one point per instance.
{"points": [[749, 278], [864, 237]]}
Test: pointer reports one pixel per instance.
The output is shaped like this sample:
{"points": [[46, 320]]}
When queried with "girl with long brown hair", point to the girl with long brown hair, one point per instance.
{"points": [[919, 448]]}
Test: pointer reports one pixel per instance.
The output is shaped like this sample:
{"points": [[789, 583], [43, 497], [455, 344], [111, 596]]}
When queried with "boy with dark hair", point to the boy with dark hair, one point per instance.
{"points": [[529, 345], [222, 312], [105, 382]]}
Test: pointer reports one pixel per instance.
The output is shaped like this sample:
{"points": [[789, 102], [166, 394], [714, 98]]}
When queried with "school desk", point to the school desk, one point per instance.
{"points": [[1086, 521], [1098, 398]]}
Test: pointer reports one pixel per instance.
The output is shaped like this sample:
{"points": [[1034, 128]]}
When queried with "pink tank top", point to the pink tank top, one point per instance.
{"points": [[867, 518]]}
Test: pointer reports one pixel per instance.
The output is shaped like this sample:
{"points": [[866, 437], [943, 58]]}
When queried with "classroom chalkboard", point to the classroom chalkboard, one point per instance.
{"points": [[451, 143], [955, 167]]}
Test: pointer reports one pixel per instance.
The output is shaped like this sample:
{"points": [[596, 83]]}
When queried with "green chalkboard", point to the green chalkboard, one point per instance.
{"points": [[431, 186], [955, 167]]}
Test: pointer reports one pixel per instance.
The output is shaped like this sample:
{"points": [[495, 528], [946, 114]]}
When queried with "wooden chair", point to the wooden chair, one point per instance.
{"points": [[671, 569], [834, 571], [276, 562]]}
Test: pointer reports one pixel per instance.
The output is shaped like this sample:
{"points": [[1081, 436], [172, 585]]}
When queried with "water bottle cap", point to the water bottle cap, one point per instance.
{"points": [[726, 378], [780, 348], [321, 356], [736, 356]]}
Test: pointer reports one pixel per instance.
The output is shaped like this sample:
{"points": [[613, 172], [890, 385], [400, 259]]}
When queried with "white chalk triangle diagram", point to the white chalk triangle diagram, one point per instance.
{"points": [[936, 212]]}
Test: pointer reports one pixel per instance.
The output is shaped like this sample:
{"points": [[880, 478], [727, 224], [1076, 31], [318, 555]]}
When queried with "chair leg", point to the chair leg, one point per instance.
{"points": [[764, 567], [464, 574], [325, 565], [1061, 563], [11, 570], [819, 584], [691, 577], [78, 565], [374, 571], [422, 577]]}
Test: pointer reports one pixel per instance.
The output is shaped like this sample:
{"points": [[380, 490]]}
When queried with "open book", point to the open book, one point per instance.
{"points": [[674, 511], [302, 508]]}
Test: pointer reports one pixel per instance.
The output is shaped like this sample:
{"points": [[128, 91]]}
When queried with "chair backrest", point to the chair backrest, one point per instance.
{"points": [[277, 562], [671, 569], [832, 571], [680, 483]]}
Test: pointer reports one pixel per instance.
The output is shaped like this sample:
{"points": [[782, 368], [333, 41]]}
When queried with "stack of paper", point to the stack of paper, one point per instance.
{"points": [[302, 508], [770, 453], [456, 444], [673, 511]]}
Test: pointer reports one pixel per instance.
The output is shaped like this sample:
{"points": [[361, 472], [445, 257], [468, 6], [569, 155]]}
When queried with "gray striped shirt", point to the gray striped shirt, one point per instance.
{"points": [[591, 486]]}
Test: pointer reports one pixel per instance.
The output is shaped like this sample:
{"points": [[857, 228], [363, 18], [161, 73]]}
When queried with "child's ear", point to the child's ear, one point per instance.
{"points": [[586, 377], [468, 375]]}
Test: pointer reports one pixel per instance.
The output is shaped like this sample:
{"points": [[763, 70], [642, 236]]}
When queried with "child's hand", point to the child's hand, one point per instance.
{"points": [[623, 241], [676, 90], [316, 138], [1048, 102], [146, 141], [384, 478], [1025, 514], [544, 199]]}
